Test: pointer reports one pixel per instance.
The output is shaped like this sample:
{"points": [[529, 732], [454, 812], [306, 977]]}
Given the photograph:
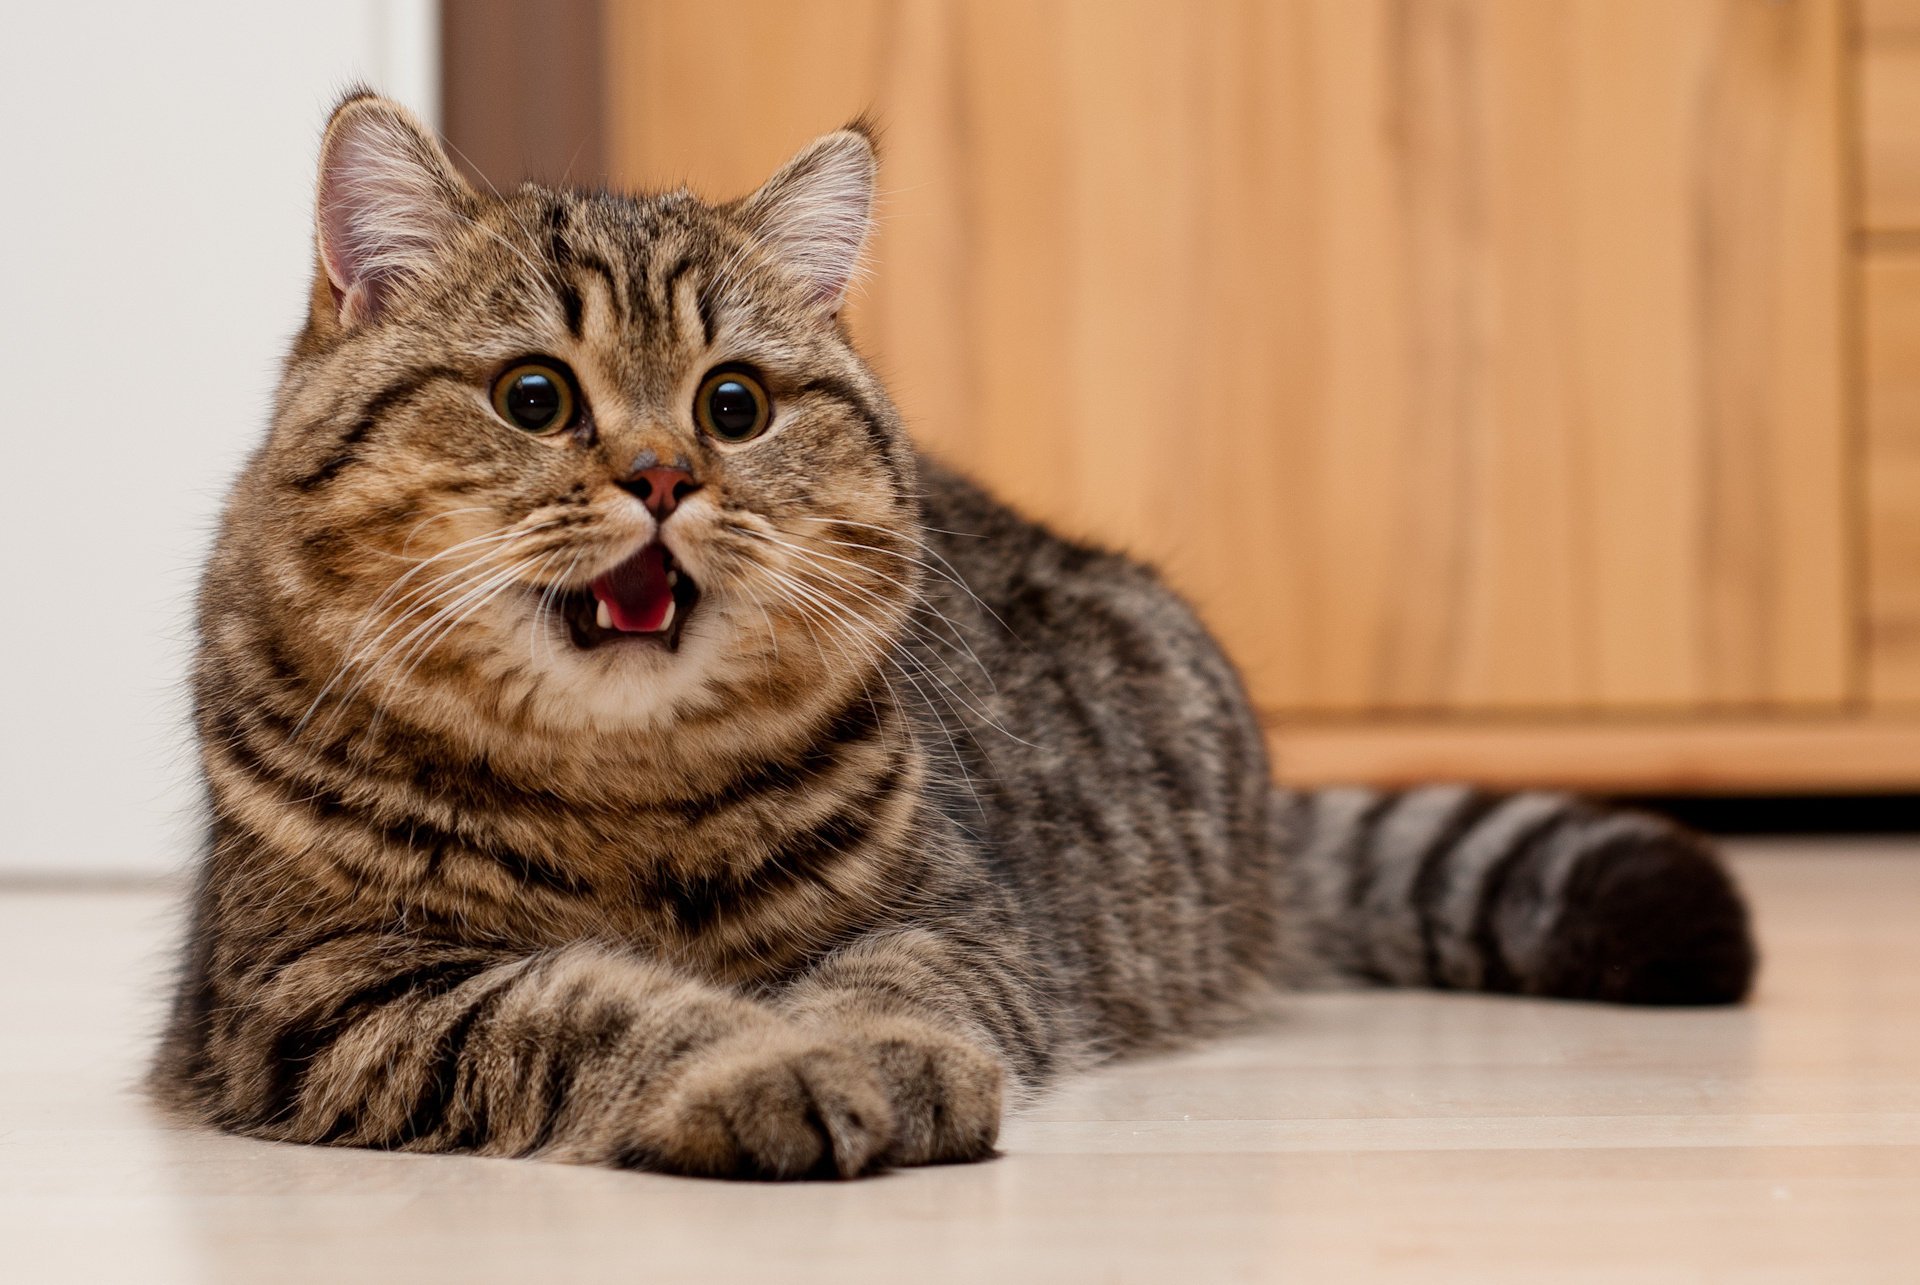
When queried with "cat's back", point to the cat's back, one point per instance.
{"points": [[1020, 568], [1104, 751], [1034, 606]]}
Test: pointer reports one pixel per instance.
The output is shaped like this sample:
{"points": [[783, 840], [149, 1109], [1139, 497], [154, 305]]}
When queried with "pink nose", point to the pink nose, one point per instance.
{"points": [[661, 489]]}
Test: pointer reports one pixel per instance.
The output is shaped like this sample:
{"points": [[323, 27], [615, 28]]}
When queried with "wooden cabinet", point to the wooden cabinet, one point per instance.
{"points": [[1524, 389], [1889, 369], [1890, 298], [1888, 60]]}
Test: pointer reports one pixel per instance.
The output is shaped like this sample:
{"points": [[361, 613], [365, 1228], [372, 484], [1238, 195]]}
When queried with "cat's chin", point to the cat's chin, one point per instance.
{"points": [[624, 683]]}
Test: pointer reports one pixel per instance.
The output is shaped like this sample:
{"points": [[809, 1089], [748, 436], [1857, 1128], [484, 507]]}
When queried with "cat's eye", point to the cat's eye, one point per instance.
{"points": [[536, 396], [732, 406]]}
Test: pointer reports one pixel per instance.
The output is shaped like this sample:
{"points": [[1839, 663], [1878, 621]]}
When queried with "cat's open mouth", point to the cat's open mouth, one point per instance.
{"points": [[647, 598]]}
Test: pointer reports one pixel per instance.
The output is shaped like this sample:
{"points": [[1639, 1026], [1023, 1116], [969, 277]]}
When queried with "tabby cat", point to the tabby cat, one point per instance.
{"points": [[624, 747]]}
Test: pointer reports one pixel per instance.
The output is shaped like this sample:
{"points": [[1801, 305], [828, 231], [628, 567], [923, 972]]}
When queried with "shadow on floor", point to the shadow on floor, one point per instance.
{"points": [[1808, 814]]}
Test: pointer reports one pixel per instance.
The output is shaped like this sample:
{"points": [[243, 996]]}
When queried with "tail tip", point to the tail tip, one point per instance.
{"points": [[1661, 923]]}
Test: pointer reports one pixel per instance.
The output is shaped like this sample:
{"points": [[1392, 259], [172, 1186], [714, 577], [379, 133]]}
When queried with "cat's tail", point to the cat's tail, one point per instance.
{"points": [[1534, 894]]}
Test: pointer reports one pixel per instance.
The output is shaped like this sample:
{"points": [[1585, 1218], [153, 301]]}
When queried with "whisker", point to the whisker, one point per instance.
{"points": [[952, 573], [811, 556], [414, 600], [547, 608], [888, 655], [411, 654]]}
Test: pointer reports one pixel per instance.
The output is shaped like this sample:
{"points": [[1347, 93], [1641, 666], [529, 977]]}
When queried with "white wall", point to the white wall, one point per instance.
{"points": [[154, 249]]}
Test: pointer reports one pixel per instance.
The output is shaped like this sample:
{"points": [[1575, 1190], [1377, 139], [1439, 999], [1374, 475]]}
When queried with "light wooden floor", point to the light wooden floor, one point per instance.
{"points": [[1355, 1137]]}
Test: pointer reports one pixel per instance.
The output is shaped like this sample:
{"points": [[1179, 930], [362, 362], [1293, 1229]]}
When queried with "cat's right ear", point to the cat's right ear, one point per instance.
{"points": [[388, 199], [815, 214]]}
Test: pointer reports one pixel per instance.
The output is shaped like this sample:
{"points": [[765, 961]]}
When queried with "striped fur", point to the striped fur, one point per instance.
{"points": [[928, 807]]}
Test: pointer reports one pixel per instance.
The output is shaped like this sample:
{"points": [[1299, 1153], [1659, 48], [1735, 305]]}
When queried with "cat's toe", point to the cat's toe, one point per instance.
{"points": [[781, 1111], [945, 1093]]}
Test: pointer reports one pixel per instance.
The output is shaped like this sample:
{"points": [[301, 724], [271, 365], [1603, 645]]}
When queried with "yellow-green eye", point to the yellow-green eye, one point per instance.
{"points": [[534, 395], [732, 406]]}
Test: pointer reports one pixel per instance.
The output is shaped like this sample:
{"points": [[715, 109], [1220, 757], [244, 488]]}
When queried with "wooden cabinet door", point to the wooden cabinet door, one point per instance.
{"points": [[1891, 368], [1453, 355], [1889, 97]]}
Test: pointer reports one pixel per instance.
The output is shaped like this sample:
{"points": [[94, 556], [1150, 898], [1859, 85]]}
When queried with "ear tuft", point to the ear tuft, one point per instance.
{"points": [[815, 213], [388, 199]]}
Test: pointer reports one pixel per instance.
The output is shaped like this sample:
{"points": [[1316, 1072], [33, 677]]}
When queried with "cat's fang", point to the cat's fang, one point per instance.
{"points": [[602, 616]]}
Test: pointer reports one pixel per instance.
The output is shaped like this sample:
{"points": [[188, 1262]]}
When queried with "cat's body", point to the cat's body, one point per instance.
{"points": [[861, 802]]}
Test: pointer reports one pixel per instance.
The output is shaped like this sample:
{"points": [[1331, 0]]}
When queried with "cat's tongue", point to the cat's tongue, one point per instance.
{"points": [[636, 596]]}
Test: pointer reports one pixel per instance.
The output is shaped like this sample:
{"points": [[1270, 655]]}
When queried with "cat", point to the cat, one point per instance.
{"points": [[623, 746]]}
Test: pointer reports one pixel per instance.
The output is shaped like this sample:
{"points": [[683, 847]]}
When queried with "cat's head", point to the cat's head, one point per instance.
{"points": [[579, 459]]}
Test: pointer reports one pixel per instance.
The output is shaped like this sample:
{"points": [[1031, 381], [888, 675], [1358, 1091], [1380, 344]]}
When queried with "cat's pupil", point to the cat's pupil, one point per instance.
{"points": [[533, 401], [732, 408]]}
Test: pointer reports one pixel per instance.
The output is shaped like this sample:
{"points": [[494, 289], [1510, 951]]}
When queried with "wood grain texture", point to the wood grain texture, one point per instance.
{"points": [[1355, 1137], [1889, 70], [1462, 355], [1891, 369], [521, 89], [1678, 756], [1889, 17]]}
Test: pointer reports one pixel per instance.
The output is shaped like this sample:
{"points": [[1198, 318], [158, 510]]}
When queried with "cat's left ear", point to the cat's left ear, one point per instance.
{"points": [[388, 200], [815, 214]]}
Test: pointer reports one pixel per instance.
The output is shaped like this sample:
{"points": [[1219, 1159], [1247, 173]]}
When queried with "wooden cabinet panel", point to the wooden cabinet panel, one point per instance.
{"points": [[511, 115], [1461, 355], [1890, 130], [1891, 368], [1889, 17]]}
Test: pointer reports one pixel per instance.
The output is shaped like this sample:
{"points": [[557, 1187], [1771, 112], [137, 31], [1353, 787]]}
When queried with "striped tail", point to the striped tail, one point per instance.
{"points": [[1531, 894]]}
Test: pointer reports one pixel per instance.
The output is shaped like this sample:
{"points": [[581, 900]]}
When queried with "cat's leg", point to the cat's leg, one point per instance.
{"points": [[950, 1024], [1532, 893], [576, 1054]]}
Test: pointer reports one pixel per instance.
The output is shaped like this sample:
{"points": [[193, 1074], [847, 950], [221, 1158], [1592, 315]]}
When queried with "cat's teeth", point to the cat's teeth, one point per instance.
{"points": [[666, 621], [673, 577], [603, 617]]}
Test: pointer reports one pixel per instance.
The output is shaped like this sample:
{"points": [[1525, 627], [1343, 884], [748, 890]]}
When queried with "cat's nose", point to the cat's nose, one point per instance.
{"points": [[660, 489]]}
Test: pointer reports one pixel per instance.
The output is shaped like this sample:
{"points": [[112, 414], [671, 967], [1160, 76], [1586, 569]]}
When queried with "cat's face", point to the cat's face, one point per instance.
{"points": [[581, 460]]}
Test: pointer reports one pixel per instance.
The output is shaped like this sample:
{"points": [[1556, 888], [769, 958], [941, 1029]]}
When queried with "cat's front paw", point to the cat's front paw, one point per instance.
{"points": [[944, 1091], [792, 1106]]}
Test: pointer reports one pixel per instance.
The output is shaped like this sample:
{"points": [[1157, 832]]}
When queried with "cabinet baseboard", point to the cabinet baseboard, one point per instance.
{"points": [[1702, 756]]}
